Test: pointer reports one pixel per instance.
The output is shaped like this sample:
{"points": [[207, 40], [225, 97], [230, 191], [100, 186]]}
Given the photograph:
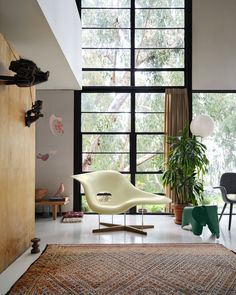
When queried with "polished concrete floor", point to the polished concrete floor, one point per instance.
{"points": [[165, 231]]}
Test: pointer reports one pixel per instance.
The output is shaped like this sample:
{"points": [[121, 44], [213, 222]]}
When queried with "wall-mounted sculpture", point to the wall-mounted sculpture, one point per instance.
{"points": [[33, 114], [27, 74]]}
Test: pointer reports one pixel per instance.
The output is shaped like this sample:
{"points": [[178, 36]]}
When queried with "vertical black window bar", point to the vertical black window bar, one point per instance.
{"points": [[77, 150], [146, 74], [132, 134]]}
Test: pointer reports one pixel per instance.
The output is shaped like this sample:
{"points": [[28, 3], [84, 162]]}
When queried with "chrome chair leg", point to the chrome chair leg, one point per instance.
{"points": [[142, 216], [99, 221]]}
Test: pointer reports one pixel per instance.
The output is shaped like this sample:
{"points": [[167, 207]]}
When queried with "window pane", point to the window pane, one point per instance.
{"points": [[149, 162], [106, 78], [149, 122], [106, 38], [149, 102], [150, 143], [159, 3], [105, 102], [159, 58], [105, 143], [96, 162], [172, 38], [159, 78], [102, 18], [159, 18], [221, 143], [105, 122], [149, 183], [106, 58], [105, 3]]}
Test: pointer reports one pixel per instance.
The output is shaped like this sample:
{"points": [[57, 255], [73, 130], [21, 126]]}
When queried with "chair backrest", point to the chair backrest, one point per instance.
{"points": [[108, 181], [104, 180], [228, 181]]}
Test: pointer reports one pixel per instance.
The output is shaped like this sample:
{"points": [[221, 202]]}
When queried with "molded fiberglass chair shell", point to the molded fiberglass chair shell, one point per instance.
{"points": [[228, 193], [122, 196]]}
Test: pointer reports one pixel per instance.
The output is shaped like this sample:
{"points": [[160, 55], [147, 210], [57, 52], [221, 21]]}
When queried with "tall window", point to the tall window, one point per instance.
{"points": [[132, 50]]}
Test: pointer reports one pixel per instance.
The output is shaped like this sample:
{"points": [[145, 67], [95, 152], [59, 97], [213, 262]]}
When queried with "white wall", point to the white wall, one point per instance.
{"points": [[214, 44], [54, 150]]}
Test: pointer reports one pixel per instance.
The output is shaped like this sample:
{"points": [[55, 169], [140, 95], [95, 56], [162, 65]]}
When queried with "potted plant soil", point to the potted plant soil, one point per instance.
{"points": [[186, 166]]}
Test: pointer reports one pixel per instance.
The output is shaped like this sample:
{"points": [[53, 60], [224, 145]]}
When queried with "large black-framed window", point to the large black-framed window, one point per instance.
{"points": [[132, 51]]}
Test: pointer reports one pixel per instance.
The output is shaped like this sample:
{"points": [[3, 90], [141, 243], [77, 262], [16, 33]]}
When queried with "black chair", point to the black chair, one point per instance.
{"points": [[228, 192]]}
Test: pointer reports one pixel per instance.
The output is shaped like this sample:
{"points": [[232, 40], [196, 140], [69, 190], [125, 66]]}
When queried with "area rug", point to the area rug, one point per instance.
{"points": [[131, 269]]}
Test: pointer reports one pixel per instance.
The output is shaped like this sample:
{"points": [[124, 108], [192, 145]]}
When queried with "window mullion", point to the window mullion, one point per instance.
{"points": [[132, 45], [132, 83], [133, 148]]}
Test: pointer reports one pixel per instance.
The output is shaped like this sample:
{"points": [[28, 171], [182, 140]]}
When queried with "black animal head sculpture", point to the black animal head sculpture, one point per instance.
{"points": [[27, 74]]}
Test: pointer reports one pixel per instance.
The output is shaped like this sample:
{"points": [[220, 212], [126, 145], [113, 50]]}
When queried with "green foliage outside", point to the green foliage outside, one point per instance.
{"points": [[107, 39], [221, 144]]}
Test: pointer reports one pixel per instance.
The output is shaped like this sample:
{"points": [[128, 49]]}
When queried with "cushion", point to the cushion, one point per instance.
{"points": [[231, 197]]}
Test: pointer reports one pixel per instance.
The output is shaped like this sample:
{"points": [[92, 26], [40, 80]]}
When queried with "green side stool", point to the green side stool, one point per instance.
{"points": [[199, 216]]}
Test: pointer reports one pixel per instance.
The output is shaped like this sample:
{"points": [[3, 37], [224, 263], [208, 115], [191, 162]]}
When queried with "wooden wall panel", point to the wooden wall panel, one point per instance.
{"points": [[17, 165]]}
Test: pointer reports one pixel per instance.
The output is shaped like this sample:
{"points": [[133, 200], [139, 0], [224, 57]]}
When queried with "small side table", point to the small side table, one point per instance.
{"points": [[199, 216]]}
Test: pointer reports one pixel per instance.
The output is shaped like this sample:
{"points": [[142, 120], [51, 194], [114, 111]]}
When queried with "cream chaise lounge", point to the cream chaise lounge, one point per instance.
{"points": [[119, 196]]}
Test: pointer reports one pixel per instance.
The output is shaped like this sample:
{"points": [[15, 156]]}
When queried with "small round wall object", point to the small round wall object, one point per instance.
{"points": [[35, 246]]}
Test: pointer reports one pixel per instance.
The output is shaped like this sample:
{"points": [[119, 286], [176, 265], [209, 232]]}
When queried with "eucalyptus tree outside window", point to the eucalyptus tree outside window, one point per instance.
{"points": [[132, 50]]}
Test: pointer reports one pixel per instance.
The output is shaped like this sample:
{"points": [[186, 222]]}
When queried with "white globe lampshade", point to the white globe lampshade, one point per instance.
{"points": [[202, 125]]}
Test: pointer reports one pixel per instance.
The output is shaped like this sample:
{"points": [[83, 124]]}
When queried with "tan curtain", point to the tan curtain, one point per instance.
{"points": [[176, 116]]}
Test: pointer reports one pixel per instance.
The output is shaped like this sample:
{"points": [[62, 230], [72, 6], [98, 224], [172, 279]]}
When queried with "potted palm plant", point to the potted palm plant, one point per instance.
{"points": [[184, 171]]}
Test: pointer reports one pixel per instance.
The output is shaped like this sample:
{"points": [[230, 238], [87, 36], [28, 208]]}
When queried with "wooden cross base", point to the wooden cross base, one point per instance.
{"points": [[118, 227]]}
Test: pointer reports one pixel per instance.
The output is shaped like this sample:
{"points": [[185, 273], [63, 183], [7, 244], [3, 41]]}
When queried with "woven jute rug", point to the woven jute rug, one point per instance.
{"points": [[131, 269]]}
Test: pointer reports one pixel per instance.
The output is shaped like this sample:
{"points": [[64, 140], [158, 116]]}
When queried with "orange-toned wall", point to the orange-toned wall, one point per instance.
{"points": [[17, 165]]}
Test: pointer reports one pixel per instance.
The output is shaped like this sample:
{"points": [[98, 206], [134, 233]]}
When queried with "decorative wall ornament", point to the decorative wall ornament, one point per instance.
{"points": [[60, 189], [55, 125], [45, 157], [27, 74], [34, 114]]}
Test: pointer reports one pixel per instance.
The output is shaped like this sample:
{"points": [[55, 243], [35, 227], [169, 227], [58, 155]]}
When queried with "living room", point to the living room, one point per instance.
{"points": [[104, 108]]}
